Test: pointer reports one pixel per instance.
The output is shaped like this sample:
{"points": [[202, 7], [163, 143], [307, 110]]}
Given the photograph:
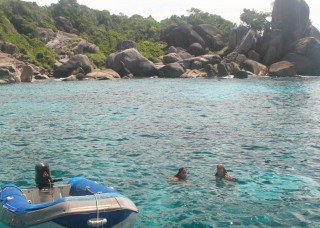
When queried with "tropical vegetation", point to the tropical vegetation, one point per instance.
{"points": [[19, 21]]}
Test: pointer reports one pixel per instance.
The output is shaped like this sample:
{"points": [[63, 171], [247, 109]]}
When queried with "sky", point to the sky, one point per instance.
{"points": [[159, 10]]}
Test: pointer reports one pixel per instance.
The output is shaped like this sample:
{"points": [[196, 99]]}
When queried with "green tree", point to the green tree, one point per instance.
{"points": [[151, 49], [254, 19], [68, 2], [197, 17], [26, 16], [19, 21]]}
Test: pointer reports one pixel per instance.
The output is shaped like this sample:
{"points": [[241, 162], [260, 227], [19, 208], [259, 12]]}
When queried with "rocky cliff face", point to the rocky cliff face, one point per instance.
{"points": [[205, 36], [289, 45], [287, 38], [290, 21], [291, 17]]}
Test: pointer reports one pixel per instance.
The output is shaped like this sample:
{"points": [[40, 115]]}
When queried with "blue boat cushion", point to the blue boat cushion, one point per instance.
{"points": [[12, 198], [81, 186]]}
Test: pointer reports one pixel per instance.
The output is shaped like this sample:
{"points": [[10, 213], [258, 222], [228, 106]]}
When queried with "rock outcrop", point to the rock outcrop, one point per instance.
{"points": [[26, 74], [283, 68], [126, 44], [211, 36], [288, 46], [305, 55], [106, 74], [248, 42], [66, 45], [8, 48], [131, 62], [45, 34], [202, 37], [182, 36], [290, 38], [13, 70], [78, 64], [63, 24], [291, 18], [9, 73], [254, 67], [171, 70], [290, 21]]}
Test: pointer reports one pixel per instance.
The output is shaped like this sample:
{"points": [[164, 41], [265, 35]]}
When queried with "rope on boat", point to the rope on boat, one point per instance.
{"points": [[97, 206], [97, 224]]}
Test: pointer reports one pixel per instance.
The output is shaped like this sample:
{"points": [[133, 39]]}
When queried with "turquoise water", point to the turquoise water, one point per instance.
{"points": [[135, 134]]}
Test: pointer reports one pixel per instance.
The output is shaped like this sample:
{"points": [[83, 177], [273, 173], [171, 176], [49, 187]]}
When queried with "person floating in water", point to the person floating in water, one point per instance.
{"points": [[181, 175], [222, 173]]}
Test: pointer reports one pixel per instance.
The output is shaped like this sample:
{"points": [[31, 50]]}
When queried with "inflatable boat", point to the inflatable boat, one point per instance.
{"points": [[80, 203]]}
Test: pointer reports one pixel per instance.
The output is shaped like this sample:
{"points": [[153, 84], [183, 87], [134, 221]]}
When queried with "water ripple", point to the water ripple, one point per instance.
{"points": [[134, 135]]}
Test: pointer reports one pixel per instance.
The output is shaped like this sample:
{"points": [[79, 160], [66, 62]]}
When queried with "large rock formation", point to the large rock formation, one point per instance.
{"points": [[64, 24], [291, 17], [290, 37], [45, 34], [131, 62], [211, 35], [290, 21], [203, 35], [171, 70], [78, 64], [126, 44], [247, 43], [182, 36], [313, 32], [13, 70], [283, 68], [9, 73], [305, 55], [26, 74], [105, 74], [8, 48], [236, 37], [66, 45]]}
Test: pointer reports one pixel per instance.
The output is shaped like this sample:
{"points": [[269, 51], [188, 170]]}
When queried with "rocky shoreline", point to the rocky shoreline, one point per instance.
{"points": [[289, 46]]}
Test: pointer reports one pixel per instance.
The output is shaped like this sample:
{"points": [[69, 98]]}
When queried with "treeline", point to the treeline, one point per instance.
{"points": [[19, 21]]}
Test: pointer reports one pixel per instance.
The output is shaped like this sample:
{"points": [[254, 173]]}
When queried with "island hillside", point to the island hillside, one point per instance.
{"points": [[73, 42]]}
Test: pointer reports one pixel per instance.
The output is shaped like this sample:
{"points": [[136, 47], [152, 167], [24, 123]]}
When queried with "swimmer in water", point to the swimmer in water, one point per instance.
{"points": [[222, 173], [181, 175]]}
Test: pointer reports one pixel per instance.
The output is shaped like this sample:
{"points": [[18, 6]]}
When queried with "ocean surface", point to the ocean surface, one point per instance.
{"points": [[134, 134]]}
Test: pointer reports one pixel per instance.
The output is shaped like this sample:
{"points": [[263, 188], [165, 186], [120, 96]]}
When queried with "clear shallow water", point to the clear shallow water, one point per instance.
{"points": [[135, 134]]}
